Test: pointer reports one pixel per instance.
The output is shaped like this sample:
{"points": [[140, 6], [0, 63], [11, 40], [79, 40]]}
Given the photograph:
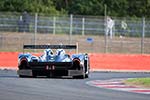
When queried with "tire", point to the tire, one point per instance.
{"points": [[22, 76], [86, 76], [79, 77], [82, 77], [34, 74]]}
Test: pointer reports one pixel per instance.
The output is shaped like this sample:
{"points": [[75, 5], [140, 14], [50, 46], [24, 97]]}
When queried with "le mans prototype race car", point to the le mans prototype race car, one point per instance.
{"points": [[53, 64]]}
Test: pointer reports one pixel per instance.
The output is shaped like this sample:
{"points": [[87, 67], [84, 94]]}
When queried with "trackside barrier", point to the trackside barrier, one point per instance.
{"points": [[120, 62], [98, 62], [8, 60]]}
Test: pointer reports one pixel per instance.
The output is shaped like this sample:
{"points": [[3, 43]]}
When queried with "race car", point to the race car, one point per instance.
{"points": [[52, 64]]}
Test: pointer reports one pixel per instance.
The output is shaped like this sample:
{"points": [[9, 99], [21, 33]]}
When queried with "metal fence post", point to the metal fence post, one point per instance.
{"points": [[35, 29], [70, 33], [83, 26], [105, 34], [54, 25], [1, 40], [143, 35]]}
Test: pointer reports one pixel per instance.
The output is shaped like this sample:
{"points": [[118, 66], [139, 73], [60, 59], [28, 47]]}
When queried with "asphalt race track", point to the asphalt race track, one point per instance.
{"points": [[14, 88]]}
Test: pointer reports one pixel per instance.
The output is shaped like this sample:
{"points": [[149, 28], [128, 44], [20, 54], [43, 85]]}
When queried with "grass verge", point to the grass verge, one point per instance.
{"points": [[141, 82]]}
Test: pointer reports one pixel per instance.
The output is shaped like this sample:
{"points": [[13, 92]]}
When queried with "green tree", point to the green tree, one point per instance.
{"points": [[139, 8], [135, 8], [88, 7], [39, 6]]}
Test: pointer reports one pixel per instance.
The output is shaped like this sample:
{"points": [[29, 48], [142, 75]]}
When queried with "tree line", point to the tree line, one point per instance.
{"points": [[119, 8]]}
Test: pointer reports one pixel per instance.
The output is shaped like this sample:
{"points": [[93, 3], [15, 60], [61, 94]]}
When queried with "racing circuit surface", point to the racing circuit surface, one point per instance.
{"points": [[14, 88]]}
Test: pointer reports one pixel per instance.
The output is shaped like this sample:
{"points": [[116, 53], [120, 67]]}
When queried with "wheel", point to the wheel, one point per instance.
{"points": [[34, 74], [79, 77], [22, 76], [86, 76]]}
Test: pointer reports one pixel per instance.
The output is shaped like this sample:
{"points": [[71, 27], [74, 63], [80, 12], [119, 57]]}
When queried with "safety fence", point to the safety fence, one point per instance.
{"points": [[129, 35], [73, 24]]}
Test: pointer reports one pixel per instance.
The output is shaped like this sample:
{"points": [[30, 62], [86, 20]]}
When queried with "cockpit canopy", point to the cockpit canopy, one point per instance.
{"points": [[60, 52], [48, 52]]}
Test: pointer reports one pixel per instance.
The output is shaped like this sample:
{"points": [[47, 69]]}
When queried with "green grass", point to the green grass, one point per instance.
{"points": [[144, 82]]}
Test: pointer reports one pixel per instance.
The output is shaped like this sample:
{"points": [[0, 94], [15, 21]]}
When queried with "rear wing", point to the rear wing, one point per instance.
{"points": [[51, 47]]}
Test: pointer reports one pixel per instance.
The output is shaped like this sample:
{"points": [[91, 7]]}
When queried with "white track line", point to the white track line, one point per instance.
{"points": [[117, 84]]}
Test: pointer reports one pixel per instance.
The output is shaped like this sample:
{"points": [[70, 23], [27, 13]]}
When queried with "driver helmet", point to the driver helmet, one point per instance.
{"points": [[48, 52]]}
